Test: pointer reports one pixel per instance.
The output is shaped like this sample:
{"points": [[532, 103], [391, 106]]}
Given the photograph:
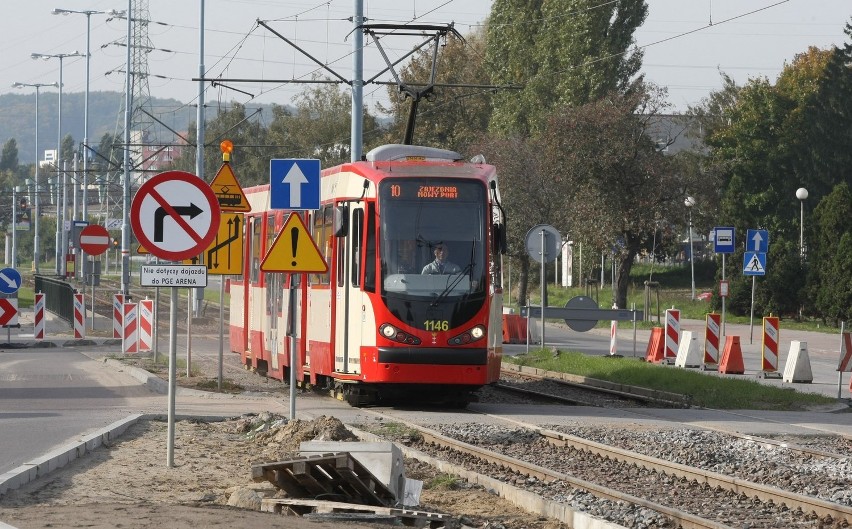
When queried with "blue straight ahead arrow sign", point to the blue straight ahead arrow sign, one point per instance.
{"points": [[294, 184], [757, 241]]}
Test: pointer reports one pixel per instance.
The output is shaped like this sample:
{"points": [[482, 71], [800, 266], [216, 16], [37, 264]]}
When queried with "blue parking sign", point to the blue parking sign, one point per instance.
{"points": [[294, 183]]}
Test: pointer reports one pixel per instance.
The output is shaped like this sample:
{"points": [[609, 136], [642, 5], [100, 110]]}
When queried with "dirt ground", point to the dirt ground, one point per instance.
{"points": [[128, 484]]}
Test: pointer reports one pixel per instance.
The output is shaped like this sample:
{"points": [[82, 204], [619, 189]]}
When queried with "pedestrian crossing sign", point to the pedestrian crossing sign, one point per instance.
{"points": [[754, 264]]}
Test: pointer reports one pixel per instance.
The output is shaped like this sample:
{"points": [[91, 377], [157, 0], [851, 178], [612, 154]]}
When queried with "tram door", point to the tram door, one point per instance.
{"points": [[256, 295], [274, 303], [348, 299]]}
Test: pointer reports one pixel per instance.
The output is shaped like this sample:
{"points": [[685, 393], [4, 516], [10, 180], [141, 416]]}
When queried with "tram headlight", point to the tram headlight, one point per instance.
{"points": [[388, 331], [477, 332]]}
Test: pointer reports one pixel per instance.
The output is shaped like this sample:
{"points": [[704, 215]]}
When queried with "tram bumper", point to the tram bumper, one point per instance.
{"points": [[425, 365]]}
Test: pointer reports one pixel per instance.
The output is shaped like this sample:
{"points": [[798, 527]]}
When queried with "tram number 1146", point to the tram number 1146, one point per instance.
{"points": [[436, 325]]}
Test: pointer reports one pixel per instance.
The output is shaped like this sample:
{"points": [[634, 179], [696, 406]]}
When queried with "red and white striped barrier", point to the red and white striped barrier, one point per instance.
{"points": [[613, 335], [845, 364], [118, 315], [38, 317], [672, 333], [79, 317], [711, 339], [130, 338], [769, 346], [146, 324]]}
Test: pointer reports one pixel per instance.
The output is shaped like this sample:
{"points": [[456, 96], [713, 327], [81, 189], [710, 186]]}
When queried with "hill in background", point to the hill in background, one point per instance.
{"points": [[18, 115]]}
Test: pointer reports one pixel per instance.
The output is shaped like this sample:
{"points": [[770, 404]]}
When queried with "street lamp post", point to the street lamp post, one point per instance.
{"points": [[689, 203], [88, 13], [36, 197], [60, 252], [802, 195]]}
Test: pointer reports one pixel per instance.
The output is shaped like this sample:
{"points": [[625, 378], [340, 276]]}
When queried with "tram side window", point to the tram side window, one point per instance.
{"points": [[357, 237], [322, 237], [370, 250], [254, 253]]}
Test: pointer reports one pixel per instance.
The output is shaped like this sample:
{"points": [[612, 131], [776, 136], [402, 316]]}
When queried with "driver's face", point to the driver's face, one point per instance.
{"points": [[440, 252]]}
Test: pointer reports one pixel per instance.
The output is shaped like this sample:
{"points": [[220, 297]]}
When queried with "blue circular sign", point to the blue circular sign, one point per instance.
{"points": [[10, 280]]}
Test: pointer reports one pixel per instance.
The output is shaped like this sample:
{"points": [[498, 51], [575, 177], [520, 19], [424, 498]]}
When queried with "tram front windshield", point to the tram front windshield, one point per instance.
{"points": [[417, 218]]}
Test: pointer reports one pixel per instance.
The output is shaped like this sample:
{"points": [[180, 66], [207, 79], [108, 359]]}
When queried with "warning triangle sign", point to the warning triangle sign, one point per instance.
{"points": [[228, 190], [294, 250]]}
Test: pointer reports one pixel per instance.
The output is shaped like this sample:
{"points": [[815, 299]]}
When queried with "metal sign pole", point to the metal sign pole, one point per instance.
{"points": [[170, 450], [221, 327], [839, 369], [724, 298], [543, 285], [751, 318]]}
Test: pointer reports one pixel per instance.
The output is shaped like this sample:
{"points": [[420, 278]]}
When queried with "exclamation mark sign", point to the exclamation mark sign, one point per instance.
{"points": [[294, 242]]}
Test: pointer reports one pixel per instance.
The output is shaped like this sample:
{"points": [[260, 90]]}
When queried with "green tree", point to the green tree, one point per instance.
{"points": [[9, 158], [452, 117], [245, 130], [564, 52], [595, 175], [830, 257], [320, 127]]}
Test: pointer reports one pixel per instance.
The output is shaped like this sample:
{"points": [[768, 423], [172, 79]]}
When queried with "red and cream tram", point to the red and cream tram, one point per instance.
{"points": [[374, 328]]}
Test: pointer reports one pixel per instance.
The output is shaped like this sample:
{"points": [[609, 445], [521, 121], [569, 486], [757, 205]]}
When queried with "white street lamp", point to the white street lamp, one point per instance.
{"points": [[689, 202], [60, 224], [36, 197], [802, 195]]}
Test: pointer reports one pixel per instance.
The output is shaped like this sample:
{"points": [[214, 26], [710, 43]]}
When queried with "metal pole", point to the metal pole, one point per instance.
{"points": [[293, 353], [357, 81], [543, 285], [751, 318], [37, 198], [839, 371], [801, 229], [56, 164], [63, 239], [691, 255], [722, 337], [86, 122], [14, 227], [222, 328], [170, 449], [189, 296], [197, 298], [125, 198]]}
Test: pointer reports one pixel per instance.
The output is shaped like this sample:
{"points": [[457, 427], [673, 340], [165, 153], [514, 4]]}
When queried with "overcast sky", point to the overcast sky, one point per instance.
{"points": [[683, 51]]}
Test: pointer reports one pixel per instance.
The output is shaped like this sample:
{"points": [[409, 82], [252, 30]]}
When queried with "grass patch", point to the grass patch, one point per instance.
{"points": [[213, 385], [704, 390], [443, 482]]}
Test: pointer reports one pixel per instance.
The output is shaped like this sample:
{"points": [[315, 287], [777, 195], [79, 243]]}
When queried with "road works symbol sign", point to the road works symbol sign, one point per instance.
{"points": [[294, 250], [228, 191], [175, 215]]}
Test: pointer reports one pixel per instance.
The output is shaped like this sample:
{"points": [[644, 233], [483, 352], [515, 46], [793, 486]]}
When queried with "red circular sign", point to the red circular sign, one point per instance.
{"points": [[175, 215], [94, 239]]}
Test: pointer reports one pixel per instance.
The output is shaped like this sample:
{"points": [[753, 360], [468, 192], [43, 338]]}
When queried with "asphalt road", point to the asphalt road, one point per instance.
{"points": [[48, 396]]}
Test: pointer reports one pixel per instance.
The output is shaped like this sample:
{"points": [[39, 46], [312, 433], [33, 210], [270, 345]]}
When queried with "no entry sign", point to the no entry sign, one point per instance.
{"points": [[94, 239], [175, 215]]}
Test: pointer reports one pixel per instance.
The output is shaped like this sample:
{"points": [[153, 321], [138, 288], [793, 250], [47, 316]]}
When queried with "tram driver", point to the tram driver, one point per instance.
{"points": [[441, 265]]}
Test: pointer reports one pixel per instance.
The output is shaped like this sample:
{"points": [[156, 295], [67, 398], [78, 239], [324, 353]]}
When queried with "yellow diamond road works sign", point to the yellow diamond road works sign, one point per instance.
{"points": [[228, 190], [294, 250]]}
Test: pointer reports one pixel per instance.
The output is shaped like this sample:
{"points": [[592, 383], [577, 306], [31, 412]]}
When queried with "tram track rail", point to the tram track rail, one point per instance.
{"points": [[807, 507]]}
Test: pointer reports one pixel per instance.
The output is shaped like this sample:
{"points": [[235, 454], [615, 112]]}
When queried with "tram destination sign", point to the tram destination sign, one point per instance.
{"points": [[190, 276]]}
